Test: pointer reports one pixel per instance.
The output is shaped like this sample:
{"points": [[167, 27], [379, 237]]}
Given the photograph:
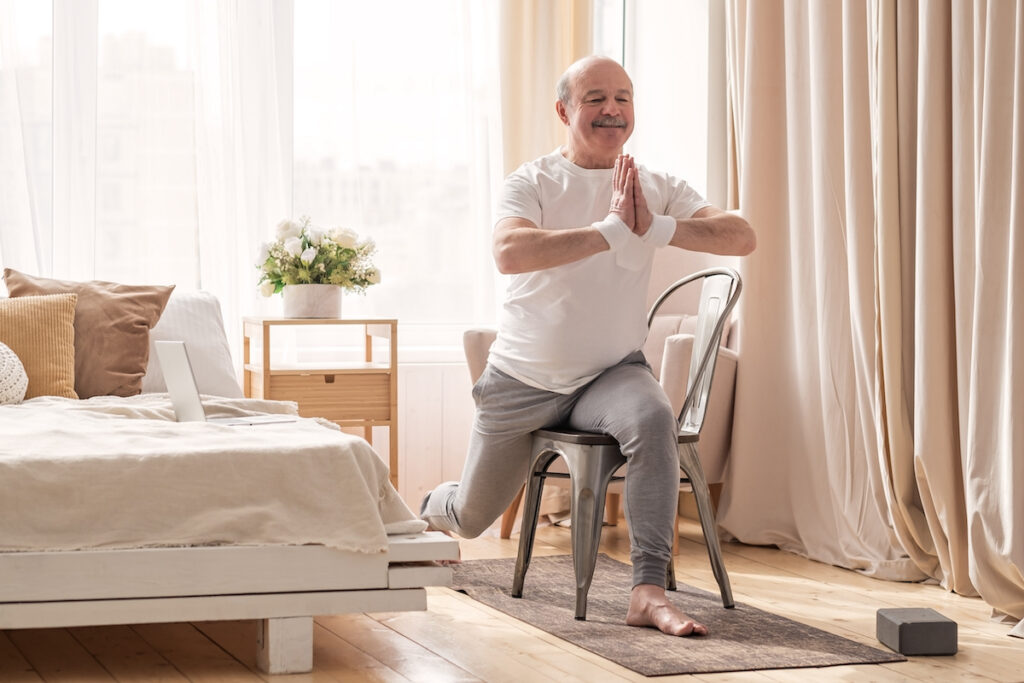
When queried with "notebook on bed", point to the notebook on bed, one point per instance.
{"points": [[181, 385]]}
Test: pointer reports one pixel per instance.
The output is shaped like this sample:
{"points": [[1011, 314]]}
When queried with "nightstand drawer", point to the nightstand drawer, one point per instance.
{"points": [[338, 397]]}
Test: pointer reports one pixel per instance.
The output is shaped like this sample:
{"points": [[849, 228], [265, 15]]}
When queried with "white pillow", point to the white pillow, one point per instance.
{"points": [[194, 318], [13, 380]]}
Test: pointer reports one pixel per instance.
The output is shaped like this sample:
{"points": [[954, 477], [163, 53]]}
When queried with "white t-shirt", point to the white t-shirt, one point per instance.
{"points": [[561, 327]]}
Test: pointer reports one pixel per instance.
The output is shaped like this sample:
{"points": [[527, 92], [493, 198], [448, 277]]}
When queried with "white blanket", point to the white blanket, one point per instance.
{"points": [[112, 472]]}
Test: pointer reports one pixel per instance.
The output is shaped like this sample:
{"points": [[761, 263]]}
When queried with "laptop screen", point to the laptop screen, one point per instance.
{"points": [[181, 382]]}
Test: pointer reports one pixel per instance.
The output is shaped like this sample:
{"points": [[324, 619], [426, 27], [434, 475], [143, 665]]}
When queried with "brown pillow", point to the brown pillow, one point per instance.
{"points": [[112, 323], [41, 332]]}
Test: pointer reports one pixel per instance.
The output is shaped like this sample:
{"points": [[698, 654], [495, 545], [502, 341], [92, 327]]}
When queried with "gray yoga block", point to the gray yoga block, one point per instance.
{"points": [[916, 631]]}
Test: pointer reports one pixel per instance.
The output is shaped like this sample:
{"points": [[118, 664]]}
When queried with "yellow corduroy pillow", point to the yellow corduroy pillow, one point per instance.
{"points": [[41, 332]]}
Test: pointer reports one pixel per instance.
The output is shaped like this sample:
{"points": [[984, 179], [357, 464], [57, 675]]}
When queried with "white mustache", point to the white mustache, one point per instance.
{"points": [[609, 122]]}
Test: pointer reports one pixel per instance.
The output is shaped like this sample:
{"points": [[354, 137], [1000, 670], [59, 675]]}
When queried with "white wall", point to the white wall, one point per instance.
{"points": [[435, 414]]}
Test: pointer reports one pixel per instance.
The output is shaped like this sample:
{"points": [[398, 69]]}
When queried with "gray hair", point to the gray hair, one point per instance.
{"points": [[564, 88]]}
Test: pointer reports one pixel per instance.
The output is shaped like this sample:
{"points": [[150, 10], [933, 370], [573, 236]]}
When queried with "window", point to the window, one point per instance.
{"points": [[145, 161], [393, 126], [666, 54], [26, 149]]}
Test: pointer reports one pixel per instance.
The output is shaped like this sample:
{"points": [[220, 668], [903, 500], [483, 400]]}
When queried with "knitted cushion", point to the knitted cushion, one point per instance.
{"points": [[13, 380]]}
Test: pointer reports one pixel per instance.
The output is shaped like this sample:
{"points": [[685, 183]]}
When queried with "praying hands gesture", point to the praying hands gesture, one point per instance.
{"points": [[628, 201]]}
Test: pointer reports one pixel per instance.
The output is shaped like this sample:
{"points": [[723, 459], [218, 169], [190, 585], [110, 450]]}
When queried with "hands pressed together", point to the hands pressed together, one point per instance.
{"points": [[628, 201]]}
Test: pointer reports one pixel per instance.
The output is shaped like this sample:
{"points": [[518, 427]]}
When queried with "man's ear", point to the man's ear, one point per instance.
{"points": [[560, 109]]}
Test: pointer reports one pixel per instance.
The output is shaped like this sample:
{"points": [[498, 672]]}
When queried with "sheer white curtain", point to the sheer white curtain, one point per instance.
{"points": [[242, 56], [160, 142], [397, 136], [163, 140], [878, 156], [26, 209]]}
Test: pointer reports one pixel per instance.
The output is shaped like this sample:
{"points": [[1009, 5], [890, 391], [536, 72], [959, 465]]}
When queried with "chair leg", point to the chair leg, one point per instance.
{"points": [[508, 518], [528, 528], [690, 464], [586, 538], [590, 469]]}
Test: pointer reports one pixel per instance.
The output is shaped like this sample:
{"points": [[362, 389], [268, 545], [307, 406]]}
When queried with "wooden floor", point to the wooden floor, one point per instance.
{"points": [[457, 639]]}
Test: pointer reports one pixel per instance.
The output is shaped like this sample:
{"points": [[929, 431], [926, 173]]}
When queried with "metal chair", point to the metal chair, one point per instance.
{"points": [[593, 458]]}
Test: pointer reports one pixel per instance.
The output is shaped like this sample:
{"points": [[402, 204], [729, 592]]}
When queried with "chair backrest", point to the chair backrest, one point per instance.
{"points": [[720, 291]]}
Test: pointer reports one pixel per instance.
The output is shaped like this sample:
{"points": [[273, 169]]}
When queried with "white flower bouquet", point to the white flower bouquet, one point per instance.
{"points": [[304, 254]]}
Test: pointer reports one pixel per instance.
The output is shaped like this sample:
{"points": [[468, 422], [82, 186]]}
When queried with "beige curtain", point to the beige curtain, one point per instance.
{"points": [[539, 39], [877, 152]]}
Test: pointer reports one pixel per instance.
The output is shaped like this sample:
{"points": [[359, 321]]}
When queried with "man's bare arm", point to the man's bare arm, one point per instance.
{"points": [[521, 247], [715, 231]]}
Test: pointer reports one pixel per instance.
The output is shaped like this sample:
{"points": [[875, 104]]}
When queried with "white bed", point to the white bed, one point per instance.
{"points": [[111, 512]]}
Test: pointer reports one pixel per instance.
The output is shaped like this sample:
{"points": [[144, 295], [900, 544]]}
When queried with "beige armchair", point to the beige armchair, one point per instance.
{"points": [[668, 349]]}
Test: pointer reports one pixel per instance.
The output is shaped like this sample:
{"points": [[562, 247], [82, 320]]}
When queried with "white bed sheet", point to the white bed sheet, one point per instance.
{"points": [[111, 472]]}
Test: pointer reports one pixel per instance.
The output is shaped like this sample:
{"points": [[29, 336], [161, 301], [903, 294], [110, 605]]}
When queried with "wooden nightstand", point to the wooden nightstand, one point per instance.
{"points": [[352, 393]]}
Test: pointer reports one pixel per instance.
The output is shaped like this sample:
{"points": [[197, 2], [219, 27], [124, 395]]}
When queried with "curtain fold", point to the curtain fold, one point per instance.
{"points": [[805, 400], [24, 196], [990, 225], [75, 80], [539, 39], [242, 58], [877, 152]]}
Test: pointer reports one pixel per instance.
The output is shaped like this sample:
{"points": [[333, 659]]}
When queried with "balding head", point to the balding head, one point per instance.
{"points": [[565, 86]]}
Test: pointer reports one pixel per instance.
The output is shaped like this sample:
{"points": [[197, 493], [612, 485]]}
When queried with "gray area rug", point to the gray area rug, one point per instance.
{"points": [[740, 639]]}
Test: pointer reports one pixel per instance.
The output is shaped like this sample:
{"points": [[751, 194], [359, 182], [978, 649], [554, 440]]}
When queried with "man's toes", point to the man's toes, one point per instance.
{"points": [[688, 628]]}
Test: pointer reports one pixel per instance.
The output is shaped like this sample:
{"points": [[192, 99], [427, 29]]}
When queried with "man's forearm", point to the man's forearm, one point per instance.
{"points": [[526, 249], [721, 233]]}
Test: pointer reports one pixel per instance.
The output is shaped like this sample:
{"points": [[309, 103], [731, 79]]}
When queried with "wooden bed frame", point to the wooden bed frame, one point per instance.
{"points": [[284, 586]]}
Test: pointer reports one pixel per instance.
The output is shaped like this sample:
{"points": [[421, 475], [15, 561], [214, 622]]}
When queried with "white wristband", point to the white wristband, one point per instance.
{"points": [[662, 229], [614, 230]]}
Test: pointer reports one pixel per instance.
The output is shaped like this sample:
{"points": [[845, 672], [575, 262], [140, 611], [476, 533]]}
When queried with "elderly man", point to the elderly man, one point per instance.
{"points": [[578, 229]]}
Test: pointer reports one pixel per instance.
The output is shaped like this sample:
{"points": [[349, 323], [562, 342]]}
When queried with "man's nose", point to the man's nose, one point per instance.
{"points": [[611, 108]]}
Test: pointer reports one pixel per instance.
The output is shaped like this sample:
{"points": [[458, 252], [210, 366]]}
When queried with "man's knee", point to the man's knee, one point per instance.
{"points": [[655, 417], [470, 517], [472, 526]]}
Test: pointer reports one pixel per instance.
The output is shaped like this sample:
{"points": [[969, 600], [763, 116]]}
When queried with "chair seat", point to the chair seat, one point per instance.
{"points": [[577, 436], [596, 438]]}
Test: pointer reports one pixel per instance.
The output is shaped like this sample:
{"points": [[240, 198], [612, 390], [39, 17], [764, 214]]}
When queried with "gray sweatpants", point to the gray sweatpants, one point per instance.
{"points": [[625, 401]]}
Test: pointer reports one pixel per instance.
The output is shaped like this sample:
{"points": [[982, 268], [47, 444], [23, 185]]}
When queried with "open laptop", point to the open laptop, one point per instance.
{"points": [[181, 385]]}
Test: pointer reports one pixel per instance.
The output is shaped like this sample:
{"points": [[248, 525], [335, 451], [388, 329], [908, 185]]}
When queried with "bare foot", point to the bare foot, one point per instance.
{"points": [[648, 606]]}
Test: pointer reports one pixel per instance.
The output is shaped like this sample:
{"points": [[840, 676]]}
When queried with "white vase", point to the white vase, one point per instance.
{"points": [[312, 301]]}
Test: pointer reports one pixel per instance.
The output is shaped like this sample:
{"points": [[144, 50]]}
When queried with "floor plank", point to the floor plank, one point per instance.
{"points": [[13, 666], [123, 653], [56, 656], [193, 654], [405, 656]]}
